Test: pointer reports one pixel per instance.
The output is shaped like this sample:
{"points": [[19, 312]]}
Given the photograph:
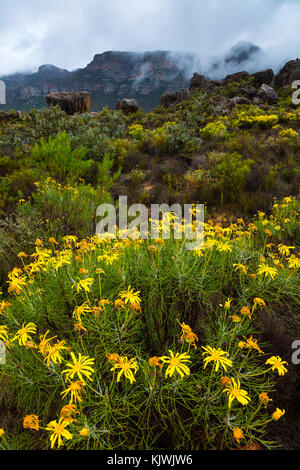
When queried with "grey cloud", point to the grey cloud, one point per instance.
{"points": [[68, 33]]}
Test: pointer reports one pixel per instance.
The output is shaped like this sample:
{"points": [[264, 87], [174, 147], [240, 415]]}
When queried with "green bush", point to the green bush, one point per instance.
{"points": [[57, 158]]}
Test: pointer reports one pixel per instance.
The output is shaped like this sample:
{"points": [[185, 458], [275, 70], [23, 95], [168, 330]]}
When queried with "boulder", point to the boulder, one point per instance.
{"points": [[288, 73], [267, 94], [176, 97], [197, 82], [71, 103], [10, 116], [233, 102], [263, 76], [249, 92], [235, 77], [127, 105], [213, 85]]}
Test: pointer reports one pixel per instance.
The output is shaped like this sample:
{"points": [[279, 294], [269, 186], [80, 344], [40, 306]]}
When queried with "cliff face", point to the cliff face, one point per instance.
{"points": [[111, 75]]}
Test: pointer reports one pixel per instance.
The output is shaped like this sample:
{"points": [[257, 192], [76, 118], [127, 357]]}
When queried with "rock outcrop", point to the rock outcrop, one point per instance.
{"points": [[235, 77], [249, 92], [127, 105], [289, 73], [71, 103], [10, 116], [263, 76], [197, 82], [238, 100], [268, 94], [168, 99]]}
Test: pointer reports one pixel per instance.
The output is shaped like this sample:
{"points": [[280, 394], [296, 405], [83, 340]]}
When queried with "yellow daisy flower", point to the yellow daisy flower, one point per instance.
{"points": [[277, 364], [125, 367], [80, 367], [23, 335], [59, 431], [176, 363], [217, 356], [234, 392]]}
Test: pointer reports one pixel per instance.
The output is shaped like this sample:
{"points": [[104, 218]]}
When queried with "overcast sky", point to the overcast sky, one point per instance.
{"points": [[68, 33]]}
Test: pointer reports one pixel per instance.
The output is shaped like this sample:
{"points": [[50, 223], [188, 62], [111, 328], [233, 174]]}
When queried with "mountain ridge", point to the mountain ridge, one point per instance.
{"points": [[112, 75]]}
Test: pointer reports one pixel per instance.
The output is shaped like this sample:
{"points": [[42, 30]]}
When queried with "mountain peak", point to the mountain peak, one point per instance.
{"points": [[49, 68]]}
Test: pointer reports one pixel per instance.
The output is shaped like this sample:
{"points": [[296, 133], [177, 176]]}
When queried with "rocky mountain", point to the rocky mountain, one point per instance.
{"points": [[110, 76], [114, 75]]}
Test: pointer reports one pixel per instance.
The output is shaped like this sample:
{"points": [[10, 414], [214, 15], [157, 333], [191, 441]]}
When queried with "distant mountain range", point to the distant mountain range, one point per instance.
{"points": [[112, 75]]}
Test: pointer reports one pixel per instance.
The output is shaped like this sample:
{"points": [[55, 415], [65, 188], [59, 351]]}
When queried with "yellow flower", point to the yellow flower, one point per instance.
{"points": [[44, 343], [293, 261], [119, 303], [277, 414], [234, 392], [103, 302], [53, 241], [31, 422], [191, 338], [83, 284], [226, 247], [67, 411], [277, 364], [54, 353], [155, 361], [109, 258], [267, 270], [81, 367], [125, 367], [284, 249], [187, 334], [240, 267], [3, 333], [185, 328], [236, 318], [238, 434], [58, 430], [225, 381], [84, 432], [227, 303], [241, 344], [264, 398], [16, 284], [81, 310], [176, 363], [3, 305], [130, 296], [21, 254], [258, 301], [75, 389], [246, 312], [114, 357], [23, 335], [217, 356], [83, 271], [2, 432], [252, 344]]}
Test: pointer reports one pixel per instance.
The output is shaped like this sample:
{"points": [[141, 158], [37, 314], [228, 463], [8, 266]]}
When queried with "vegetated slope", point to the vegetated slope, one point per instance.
{"points": [[142, 344], [109, 301]]}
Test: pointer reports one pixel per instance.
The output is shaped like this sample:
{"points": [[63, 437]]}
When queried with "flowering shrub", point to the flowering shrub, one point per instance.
{"points": [[289, 133], [216, 128], [121, 343], [137, 131], [244, 119]]}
